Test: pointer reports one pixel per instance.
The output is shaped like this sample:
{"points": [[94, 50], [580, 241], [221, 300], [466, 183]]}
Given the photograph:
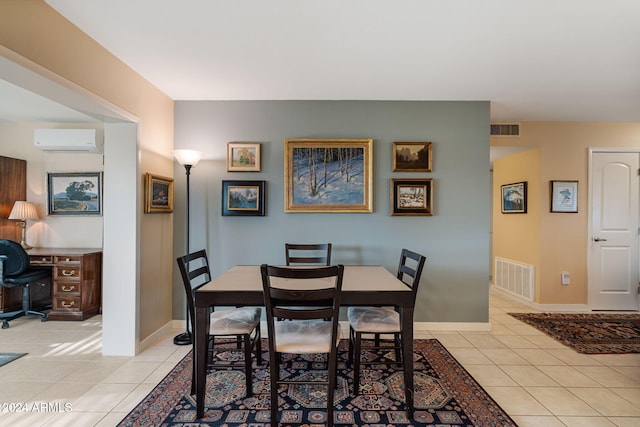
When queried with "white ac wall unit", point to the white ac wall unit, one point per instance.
{"points": [[69, 140]]}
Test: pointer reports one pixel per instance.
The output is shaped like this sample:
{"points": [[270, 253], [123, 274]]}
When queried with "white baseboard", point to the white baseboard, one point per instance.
{"points": [[545, 307], [155, 337], [452, 326]]}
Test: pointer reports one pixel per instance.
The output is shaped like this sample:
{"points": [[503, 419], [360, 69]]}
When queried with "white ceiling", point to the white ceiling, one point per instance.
{"points": [[535, 60]]}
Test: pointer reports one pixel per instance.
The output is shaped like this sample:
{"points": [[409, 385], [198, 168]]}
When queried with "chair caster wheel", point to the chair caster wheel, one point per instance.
{"points": [[5, 324], [44, 319]]}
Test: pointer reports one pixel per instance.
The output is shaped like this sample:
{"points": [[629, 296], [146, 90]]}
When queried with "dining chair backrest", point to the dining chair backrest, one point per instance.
{"points": [[194, 269], [289, 303], [308, 253], [410, 269]]}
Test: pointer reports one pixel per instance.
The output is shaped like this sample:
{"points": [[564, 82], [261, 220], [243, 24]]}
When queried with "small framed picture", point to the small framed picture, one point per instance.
{"points": [[514, 198], [412, 157], [243, 198], [412, 197], [564, 196], [158, 194], [243, 157], [74, 193]]}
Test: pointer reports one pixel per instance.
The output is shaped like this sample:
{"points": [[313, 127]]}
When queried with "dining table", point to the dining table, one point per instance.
{"points": [[361, 285]]}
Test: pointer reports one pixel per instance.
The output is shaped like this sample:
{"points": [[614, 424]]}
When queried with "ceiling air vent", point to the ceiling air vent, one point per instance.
{"points": [[506, 129]]}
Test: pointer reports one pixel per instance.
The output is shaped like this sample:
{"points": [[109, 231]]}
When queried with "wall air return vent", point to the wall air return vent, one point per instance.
{"points": [[505, 129]]}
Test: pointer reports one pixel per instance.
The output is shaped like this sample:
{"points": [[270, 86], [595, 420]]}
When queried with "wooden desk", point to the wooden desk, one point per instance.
{"points": [[76, 280], [361, 285]]}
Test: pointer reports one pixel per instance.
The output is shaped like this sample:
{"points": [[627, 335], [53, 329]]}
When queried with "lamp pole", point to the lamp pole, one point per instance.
{"points": [[187, 158]]}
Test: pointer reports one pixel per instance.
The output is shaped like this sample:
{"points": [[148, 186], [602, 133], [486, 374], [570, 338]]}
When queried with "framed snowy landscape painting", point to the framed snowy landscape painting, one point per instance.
{"points": [[328, 175], [412, 197]]}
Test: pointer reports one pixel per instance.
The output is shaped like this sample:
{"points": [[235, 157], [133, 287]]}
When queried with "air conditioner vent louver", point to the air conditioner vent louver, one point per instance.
{"points": [[512, 129]]}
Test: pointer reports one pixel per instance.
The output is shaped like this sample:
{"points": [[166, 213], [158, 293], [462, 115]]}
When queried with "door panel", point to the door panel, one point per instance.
{"points": [[614, 266]]}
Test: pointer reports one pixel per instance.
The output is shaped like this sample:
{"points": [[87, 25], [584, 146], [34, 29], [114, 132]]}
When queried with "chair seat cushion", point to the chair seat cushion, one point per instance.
{"points": [[234, 322], [26, 277], [374, 319], [304, 336]]}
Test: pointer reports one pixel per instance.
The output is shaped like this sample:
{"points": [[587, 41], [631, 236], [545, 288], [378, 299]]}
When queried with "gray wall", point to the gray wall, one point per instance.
{"points": [[455, 240]]}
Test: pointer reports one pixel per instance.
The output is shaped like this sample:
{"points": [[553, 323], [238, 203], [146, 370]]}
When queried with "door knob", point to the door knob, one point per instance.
{"points": [[598, 239]]}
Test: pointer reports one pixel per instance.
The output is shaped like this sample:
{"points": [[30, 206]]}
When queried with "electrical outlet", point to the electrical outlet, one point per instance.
{"points": [[565, 278]]}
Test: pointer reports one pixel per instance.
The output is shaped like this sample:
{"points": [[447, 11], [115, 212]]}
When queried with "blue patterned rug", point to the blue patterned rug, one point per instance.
{"points": [[445, 395], [9, 357]]}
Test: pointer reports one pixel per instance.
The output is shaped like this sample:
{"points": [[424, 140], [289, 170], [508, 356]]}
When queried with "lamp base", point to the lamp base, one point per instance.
{"points": [[25, 246], [183, 339]]}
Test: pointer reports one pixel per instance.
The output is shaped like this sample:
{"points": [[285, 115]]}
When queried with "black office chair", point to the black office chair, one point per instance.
{"points": [[379, 321], [306, 332], [241, 324], [15, 271]]}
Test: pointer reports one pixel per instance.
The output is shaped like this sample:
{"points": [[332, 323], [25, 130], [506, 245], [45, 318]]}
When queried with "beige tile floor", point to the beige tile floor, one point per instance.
{"points": [[65, 381]]}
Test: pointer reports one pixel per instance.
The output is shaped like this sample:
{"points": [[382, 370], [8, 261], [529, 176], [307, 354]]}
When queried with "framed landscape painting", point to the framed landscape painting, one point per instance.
{"points": [[328, 175], [243, 198], [412, 197], [412, 157], [74, 193], [243, 157], [158, 194], [514, 198]]}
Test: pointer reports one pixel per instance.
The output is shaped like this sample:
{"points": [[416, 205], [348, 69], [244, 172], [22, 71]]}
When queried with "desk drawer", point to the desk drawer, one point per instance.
{"points": [[44, 259], [66, 288], [67, 259], [66, 303], [64, 272]]}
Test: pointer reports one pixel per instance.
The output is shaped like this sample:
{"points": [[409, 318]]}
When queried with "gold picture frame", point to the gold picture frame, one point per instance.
{"points": [[243, 157], [328, 175], [158, 194], [412, 157]]}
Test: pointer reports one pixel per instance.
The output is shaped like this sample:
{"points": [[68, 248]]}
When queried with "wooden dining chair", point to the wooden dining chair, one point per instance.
{"points": [[375, 322], [319, 290], [242, 324], [308, 253]]}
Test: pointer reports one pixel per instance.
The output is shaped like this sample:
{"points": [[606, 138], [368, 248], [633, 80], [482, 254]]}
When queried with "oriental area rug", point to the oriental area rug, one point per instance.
{"points": [[9, 357], [589, 333], [445, 395]]}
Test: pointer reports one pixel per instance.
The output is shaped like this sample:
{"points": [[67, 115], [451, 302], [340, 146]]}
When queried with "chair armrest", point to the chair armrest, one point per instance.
{"points": [[2, 259]]}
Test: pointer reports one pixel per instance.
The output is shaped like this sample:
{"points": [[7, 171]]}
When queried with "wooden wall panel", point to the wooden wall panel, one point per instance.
{"points": [[13, 186]]}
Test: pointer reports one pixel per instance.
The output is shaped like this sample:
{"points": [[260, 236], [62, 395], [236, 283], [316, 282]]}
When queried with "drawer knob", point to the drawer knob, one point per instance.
{"points": [[67, 304], [68, 289], [68, 273]]}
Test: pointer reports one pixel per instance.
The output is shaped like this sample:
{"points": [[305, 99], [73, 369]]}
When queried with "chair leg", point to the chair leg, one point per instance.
{"points": [[26, 304], [247, 364], [356, 363], [398, 343], [274, 374], [258, 345], [351, 338], [331, 387]]}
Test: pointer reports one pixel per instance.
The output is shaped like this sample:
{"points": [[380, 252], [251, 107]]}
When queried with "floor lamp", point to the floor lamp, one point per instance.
{"points": [[188, 159]]}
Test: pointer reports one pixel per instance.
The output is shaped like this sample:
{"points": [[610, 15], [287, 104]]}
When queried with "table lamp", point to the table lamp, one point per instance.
{"points": [[22, 211]]}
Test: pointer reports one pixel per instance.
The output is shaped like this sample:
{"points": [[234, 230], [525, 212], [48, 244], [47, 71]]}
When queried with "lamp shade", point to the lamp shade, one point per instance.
{"points": [[188, 157], [23, 210]]}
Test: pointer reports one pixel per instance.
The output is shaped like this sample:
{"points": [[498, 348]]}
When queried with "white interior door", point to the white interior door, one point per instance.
{"points": [[614, 264]]}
